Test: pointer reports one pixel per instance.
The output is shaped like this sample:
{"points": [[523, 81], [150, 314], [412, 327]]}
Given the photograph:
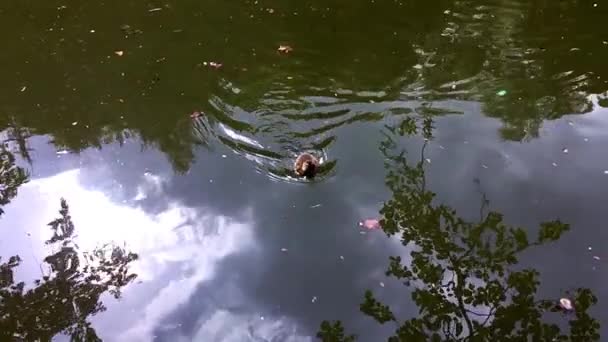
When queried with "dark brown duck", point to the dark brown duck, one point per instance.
{"points": [[306, 165]]}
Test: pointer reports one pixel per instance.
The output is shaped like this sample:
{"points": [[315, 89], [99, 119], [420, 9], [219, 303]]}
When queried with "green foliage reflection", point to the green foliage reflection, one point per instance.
{"points": [[462, 273]]}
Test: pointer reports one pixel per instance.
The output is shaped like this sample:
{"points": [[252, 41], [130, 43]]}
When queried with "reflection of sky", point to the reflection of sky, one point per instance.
{"points": [[176, 235], [210, 248], [211, 266]]}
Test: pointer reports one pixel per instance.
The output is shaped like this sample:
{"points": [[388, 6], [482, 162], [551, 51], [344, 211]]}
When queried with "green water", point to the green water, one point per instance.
{"points": [[474, 131]]}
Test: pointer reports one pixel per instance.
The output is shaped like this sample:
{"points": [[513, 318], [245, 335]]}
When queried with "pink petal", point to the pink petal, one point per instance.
{"points": [[370, 224], [566, 304]]}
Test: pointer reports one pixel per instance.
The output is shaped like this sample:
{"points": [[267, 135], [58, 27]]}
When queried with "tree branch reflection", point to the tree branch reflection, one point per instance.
{"points": [[62, 301], [462, 274]]}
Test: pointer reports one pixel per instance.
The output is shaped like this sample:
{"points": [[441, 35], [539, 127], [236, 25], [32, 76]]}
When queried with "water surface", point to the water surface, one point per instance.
{"points": [[460, 125]]}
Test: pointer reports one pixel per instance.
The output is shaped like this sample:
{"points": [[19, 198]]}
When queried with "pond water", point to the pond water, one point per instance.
{"points": [[473, 131]]}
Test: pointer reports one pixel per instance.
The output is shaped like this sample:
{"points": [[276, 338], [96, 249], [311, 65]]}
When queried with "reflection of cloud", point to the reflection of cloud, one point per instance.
{"points": [[197, 241], [200, 258], [224, 326], [152, 186], [99, 220]]}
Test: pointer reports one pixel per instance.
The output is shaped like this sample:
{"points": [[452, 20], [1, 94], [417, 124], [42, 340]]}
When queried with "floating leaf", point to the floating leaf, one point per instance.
{"points": [[566, 304], [285, 48], [370, 224]]}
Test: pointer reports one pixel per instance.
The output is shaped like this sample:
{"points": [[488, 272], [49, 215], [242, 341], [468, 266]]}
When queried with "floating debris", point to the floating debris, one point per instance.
{"points": [[214, 65], [196, 114], [315, 206], [441, 147], [285, 48], [342, 257], [428, 160], [283, 249], [589, 248], [119, 53], [156, 9], [501, 92], [74, 123], [314, 299], [595, 257], [63, 152], [370, 224], [23, 88], [381, 284], [484, 166], [570, 123], [565, 150], [224, 156], [554, 164], [566, 304], [586, 139]]}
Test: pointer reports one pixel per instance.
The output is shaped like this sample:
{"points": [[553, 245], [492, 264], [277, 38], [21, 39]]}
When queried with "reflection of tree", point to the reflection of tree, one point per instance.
{"points": [[465, 285], [11, 177], [525, 47], [547, 67], [62, 300]]}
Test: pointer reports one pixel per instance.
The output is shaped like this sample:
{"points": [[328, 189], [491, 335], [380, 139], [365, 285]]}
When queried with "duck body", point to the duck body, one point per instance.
{"points": [[306, 165]]}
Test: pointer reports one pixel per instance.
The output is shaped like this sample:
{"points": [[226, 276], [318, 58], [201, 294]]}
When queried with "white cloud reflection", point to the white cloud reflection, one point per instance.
{"points": [[224, 326], [191, 238]]}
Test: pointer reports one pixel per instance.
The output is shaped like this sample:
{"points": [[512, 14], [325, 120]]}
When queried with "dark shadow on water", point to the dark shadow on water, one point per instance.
{"points": [[499, 54]]}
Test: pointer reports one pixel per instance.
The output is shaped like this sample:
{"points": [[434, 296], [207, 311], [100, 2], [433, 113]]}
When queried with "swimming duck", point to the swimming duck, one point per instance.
{"points": [[306, 165]]}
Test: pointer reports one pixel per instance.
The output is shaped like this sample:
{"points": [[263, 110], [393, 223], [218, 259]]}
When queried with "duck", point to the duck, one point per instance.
{"points": [[306, 165]]}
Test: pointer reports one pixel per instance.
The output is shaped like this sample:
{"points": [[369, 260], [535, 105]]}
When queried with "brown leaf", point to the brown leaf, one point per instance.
{"points": [[196, 114], [285, 48]]}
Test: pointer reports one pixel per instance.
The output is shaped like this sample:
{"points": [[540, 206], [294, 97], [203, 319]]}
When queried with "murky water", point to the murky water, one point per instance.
{"points": [[473, 131]]}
